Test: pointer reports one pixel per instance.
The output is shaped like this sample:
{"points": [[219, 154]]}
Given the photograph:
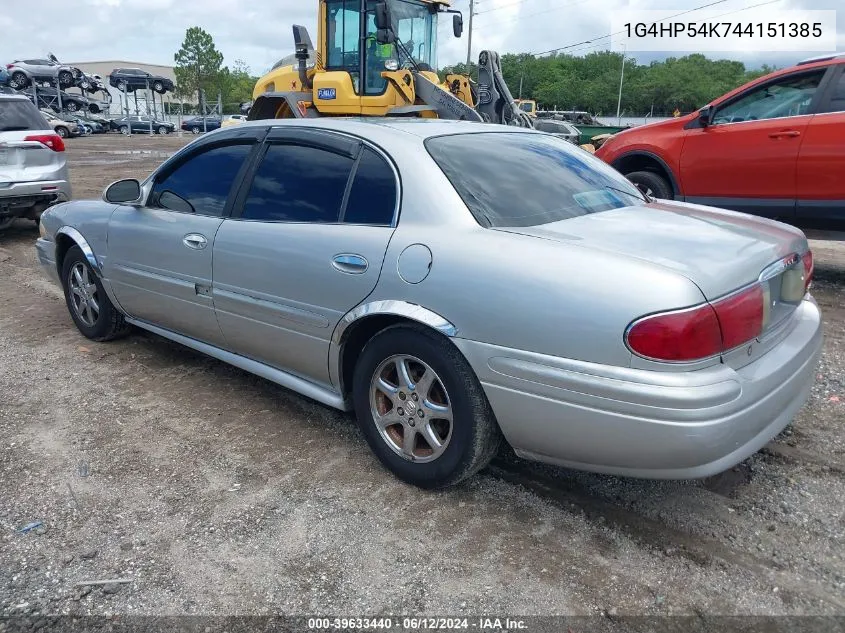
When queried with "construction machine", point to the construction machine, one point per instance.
{"points": [[378, 58]]}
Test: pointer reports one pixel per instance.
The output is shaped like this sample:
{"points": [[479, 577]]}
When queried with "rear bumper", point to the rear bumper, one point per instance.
{"points": [[17, 199], [660, 425]]}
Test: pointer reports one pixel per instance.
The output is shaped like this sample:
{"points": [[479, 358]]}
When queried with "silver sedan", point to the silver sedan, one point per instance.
{"points": [[456, 285]]}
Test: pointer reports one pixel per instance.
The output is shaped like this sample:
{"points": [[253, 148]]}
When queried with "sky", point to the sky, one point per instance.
{"points": [[259, 31]]}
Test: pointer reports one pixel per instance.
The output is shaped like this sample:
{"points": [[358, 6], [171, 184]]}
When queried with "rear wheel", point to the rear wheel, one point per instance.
{"points": [[19, 80], [652, 184], [124, 129], [65, 79], [72, 106], [122, 85], [87, 302], [62, 131], [421, 408], [195, 130]]}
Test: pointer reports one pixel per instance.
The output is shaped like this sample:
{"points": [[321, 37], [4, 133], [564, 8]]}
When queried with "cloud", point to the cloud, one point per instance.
{"points": [[259, 31]]}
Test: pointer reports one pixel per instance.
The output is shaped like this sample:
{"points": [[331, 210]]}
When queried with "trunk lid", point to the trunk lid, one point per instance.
{"points": [[720, 251]]}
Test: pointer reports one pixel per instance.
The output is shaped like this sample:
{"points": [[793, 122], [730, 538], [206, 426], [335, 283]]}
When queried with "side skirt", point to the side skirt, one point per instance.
{"points": [[294, 383]]}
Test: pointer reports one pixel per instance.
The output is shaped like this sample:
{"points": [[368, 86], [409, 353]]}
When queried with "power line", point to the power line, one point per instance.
{"points": [[522, 17]]}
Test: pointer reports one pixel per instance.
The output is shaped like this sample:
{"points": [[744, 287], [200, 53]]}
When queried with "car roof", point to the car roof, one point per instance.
{"points": [[10, 97], [363, 126]]}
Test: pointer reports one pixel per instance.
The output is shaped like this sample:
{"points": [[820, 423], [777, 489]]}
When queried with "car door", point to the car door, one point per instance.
{"points": [[305, 244], [746, 158], [160, 254], [821, 161]]}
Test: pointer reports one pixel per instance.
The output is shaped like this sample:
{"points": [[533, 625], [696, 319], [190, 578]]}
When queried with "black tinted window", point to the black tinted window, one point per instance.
{"points": [[837, 96], [298, 184], [16, 114], [526, 179], [372, 199], [203, 181]]}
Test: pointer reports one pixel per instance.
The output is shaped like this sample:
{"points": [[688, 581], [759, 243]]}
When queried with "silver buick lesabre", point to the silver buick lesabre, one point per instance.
{"points": [[455, 284]]}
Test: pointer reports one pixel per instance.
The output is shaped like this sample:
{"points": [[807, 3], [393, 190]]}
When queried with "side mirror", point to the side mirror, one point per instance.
{"points": [[123, 192], [385, 36], [705, 115], [384, 18], [457, 24]]}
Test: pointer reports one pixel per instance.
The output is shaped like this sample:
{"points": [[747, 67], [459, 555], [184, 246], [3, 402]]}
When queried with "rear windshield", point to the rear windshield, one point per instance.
{"points": [[18, 115], [512, 179]]}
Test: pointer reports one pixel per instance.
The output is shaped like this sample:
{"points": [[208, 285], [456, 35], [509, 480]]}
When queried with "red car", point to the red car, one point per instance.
{"points": [[773, 147]]}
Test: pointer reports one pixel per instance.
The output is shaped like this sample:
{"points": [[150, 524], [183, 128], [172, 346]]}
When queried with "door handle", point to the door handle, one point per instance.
{"points": [[350, 263], [195, 241], [785, 133]]}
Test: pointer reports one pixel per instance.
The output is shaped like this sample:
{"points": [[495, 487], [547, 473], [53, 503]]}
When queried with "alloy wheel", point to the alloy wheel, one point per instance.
{"points": [[411, 408], [84, 295]]}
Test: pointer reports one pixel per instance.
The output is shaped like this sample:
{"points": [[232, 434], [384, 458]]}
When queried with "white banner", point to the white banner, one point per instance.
{"points": [[760, 29]]}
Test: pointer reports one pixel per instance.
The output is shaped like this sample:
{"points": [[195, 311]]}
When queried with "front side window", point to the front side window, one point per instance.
{"points": [[202, 183], [514, 179], [790, 96], [295, 183], [836, 103]]}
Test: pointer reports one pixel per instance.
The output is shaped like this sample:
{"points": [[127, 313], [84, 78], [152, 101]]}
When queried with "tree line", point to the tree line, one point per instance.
{"points": [[591, 82]]}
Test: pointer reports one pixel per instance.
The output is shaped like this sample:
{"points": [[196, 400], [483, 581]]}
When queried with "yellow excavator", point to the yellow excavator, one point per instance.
{"points": [[378, 58]]}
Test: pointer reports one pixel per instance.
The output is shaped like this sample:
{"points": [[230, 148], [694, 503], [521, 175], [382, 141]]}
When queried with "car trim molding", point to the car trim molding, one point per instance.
{"points": [[393, 307], [301, 386], [76, 236]]}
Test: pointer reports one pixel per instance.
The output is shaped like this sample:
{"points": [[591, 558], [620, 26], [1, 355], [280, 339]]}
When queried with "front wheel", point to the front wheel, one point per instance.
{"points": [[163, 130], [19, 80], [124, 129], [195, 130], [87, 302], [158, 87], [651, 184], [62, 131], [72, 106], [421, 408], [65, 79]]}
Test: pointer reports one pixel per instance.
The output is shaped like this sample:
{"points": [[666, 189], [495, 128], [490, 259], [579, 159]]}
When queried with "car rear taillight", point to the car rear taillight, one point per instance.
{"points": [[9, 66], [701, 332], [807, 258], [53, 141], [677, 336]]}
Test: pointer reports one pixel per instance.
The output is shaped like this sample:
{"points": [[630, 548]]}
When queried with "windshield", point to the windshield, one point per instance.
{"points": [[416, 30], [512, 179]]}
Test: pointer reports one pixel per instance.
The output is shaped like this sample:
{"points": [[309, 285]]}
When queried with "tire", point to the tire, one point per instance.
{"points": [[102, 323], [195, 130], [652, 184], [65, 79], [62, 131], [72, 106], [85, 85], [163, 130], [158, 87], [122, 86], [466, 445], [18, 80], [124, 129]]}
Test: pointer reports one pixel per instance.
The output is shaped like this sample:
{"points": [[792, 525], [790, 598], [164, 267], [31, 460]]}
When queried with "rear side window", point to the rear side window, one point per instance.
{"points": [[295, 183], [512, 179], [202, 183], [372, 198], [19, 115]]}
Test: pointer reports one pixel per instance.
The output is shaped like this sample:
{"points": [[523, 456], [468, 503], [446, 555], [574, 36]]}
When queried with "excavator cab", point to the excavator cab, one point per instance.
{"points": [[378, 58]]}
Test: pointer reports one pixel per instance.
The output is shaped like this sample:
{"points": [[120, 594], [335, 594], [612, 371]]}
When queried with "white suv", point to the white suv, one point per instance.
{"points": [[33, 169]]}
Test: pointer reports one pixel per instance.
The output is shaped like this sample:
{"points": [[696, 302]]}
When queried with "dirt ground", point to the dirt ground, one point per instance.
{"points": [[215, 492]]}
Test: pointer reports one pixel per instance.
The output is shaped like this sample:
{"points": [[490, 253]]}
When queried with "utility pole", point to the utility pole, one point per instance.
{"points": [[469, 37], [621, 79]]}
